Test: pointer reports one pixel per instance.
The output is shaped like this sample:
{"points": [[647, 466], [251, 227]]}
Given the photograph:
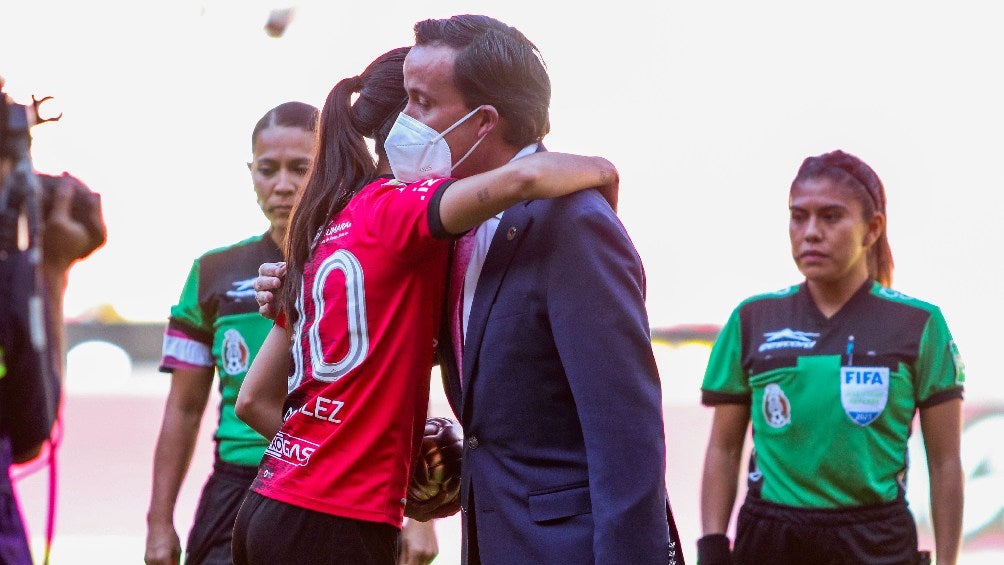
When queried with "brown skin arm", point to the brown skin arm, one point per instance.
{"points": [[186, 403], [259, 402], [941, 426], [472, 200], [720, 479]]}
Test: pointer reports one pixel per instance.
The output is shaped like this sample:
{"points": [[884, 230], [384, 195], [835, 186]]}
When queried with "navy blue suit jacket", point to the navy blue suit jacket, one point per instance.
{"points": [[561, 404]]}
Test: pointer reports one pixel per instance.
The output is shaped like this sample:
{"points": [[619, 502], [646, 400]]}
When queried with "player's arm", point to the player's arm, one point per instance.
{"points": [[186, 403], [941, 426], [472, 200], [259, 402]]}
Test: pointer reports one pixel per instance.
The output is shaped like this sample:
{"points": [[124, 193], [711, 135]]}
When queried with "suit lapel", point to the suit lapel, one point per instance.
{"points": [[516, 221]]}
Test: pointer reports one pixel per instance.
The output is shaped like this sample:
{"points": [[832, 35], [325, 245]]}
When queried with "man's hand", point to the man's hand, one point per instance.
{"points": [[418, 543], [269, 281], [67, 239]]}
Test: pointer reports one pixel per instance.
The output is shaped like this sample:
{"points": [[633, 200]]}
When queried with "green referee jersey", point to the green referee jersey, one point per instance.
{"points": [[832, 400], [216, 324]]}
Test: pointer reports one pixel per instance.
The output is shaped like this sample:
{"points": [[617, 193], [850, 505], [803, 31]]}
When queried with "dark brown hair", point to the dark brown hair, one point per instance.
{"points": [[342, 162], [497, 65], [849, 170]]}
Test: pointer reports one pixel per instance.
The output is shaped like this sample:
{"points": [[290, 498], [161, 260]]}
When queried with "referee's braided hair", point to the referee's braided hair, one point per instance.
{"points": [[342, 160], [847, 169]]}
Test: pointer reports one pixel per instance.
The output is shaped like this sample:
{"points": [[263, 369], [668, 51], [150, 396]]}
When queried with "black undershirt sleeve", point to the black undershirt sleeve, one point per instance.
{"points": [[435, 220], [940, 397]]}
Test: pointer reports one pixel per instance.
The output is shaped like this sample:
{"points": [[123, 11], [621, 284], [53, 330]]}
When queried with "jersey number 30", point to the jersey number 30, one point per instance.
{"points": [[356, 328]]}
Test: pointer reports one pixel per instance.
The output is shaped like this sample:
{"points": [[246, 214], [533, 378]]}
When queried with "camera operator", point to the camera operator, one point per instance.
{"points": [[48, 223]]}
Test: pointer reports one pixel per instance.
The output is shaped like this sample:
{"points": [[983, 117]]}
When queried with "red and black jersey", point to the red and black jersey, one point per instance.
{"points": [[368, 315]]}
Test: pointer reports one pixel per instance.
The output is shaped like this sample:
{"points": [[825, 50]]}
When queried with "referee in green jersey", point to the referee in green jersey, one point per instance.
{"points": [[830, 373]]}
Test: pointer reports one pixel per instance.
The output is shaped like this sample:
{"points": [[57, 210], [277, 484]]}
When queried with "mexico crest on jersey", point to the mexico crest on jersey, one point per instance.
{"points": [[864, 392], [236, 353], [776, 407]]}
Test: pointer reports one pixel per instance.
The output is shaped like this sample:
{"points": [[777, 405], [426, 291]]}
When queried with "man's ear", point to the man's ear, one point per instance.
{"points": [[488, 119]]}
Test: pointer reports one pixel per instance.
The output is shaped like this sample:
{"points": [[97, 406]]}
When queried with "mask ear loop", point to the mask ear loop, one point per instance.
{"points": [[469, 151], [476, 143], [457, 123]]}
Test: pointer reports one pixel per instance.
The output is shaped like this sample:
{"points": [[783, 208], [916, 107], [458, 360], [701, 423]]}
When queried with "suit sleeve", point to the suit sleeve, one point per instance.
{"points": [[596, 303]]}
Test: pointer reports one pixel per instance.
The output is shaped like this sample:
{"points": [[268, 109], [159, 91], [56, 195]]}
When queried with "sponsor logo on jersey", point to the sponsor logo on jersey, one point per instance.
{"points": [[333, 229], [788, 339], [776, 407], [864, 392], [236, 353], [291, 449], [242, 289]]}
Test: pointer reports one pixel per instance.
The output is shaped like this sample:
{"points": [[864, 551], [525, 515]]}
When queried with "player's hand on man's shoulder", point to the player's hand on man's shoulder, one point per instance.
{"points": [[610, 188]]}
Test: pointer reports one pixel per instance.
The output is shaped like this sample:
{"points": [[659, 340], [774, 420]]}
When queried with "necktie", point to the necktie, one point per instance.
{"points": [[462, 250]]}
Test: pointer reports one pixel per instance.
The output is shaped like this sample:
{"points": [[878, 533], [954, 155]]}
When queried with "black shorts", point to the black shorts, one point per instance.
{"points": [[884, 534], [268, 532], [210, 538]]}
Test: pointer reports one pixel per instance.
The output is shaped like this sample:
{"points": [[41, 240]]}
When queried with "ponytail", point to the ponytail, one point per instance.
{"points": [[342, 161]]}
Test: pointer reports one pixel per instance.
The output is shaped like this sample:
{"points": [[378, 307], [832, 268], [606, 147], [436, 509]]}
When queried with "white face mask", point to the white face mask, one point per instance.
{"points": [[417, 152]]}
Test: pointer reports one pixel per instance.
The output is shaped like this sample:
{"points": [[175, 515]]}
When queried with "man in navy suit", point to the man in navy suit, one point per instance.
{"points": [[559, 394]]}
